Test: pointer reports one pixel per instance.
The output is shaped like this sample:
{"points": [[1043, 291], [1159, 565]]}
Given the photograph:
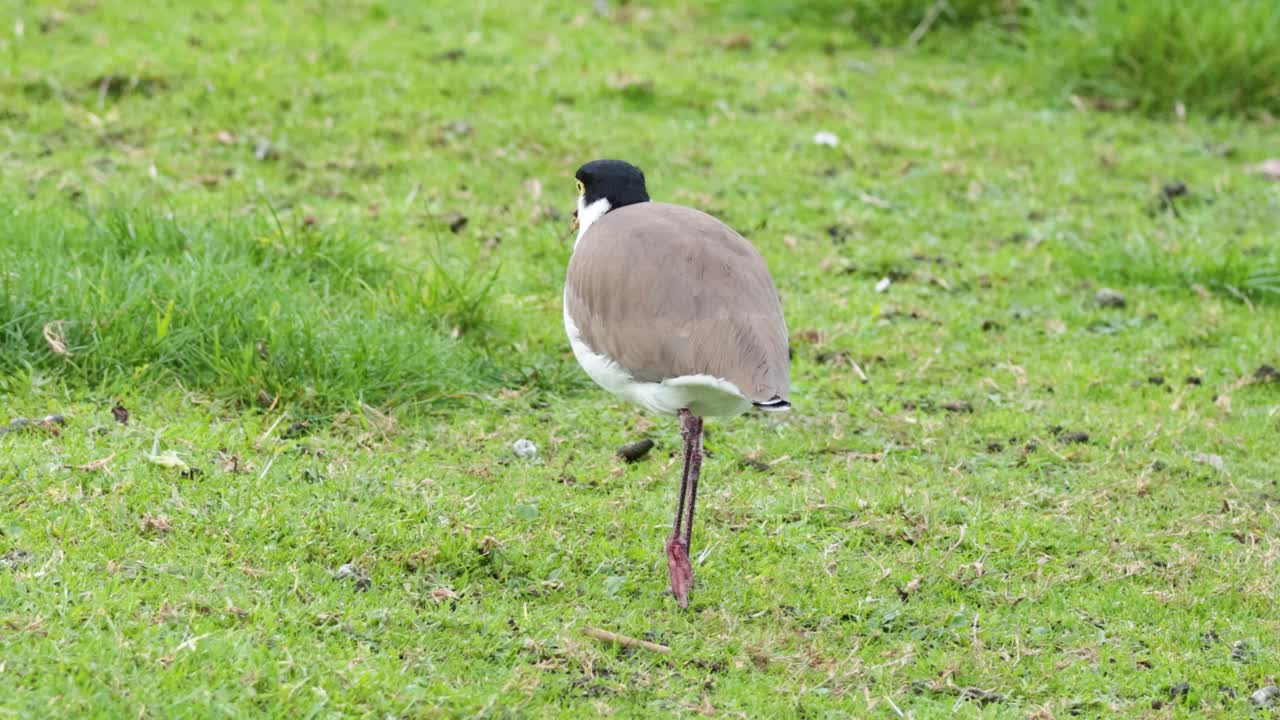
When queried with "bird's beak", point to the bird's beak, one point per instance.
{"points": [[575, 218]]}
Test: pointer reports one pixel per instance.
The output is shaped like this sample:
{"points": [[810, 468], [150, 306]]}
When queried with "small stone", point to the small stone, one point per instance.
{"points": [[824, 137], [456, 221], [632, 452], [15, 558], [1265, 697], [1106, 297], [1240, 651], [980, 696], [350, 571], [1214, 461], [264, 150], [458, 128], [525, 449]]}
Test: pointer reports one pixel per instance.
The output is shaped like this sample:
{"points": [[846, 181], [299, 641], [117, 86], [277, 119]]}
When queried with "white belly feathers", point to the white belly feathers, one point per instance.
{"points": [[702, 395]]}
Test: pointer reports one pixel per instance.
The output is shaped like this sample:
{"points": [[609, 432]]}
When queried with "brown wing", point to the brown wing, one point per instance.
{"points": [[667, 291]]}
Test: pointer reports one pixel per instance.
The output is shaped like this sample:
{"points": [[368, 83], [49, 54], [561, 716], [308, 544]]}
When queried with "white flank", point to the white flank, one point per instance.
{"points": [[702, 395]]}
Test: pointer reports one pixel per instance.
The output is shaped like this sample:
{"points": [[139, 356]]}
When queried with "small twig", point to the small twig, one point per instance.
{"points": [[267, 469], [265, 435], [857, 370], [923, 28], [956, 544], [625, 641]]}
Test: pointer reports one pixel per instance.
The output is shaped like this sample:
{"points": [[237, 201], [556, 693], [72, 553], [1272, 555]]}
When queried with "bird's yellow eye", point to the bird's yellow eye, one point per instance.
{"points": [[581, 189]]}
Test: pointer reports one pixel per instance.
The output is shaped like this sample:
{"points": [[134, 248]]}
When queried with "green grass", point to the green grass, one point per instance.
{"points": [[1212, 58], [931, 530], [255, 311], [1153, 56]]}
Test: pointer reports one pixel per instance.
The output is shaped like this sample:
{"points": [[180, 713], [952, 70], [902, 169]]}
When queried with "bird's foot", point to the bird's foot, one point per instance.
{"points": [[680, 570]]}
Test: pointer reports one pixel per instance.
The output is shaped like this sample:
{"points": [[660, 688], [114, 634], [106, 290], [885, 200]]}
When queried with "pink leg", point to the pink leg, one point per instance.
{"points": [[678, 566]]}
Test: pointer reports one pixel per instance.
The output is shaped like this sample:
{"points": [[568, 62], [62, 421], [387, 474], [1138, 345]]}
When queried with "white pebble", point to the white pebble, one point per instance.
{"points": [[824, 137], [883, 284], [1265, 697], [525, 449]]}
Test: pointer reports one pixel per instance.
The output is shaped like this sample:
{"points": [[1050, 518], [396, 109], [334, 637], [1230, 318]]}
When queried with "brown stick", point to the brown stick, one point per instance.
{"points": [[625, 641]]}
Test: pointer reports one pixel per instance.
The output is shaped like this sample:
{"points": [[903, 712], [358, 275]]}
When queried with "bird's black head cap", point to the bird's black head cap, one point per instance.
{"points": [[621, 183]]}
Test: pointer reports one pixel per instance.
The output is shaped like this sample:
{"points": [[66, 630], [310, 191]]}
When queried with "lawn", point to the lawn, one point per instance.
{"points": [[289, 275]]}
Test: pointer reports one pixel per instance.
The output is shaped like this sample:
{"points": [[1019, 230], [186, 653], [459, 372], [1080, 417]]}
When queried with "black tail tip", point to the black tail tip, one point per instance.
{"points": [[774, 404]]}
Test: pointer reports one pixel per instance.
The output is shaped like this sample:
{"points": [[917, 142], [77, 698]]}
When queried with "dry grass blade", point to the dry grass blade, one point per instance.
{"points": [[96, 465], [624, 640], [57, 340]]}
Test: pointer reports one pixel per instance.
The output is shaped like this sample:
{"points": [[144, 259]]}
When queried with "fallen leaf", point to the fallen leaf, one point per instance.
{"points": [[630, 84], [422, 558], [168, 459], [1269, 169], [1224, 404], [443, 593], [233, 464], [738, 42], [225, 137], [120, 413], [159, 524]]}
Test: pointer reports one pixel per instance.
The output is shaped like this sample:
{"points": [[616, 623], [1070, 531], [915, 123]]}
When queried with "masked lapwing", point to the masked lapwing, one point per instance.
{"points": [[669, 308]]}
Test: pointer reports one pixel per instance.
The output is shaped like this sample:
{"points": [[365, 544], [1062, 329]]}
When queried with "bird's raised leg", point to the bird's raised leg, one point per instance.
{"points": [[678, 566]]}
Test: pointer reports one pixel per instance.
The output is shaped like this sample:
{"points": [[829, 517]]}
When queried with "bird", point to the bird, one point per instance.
{"points": [[670, 309]]}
